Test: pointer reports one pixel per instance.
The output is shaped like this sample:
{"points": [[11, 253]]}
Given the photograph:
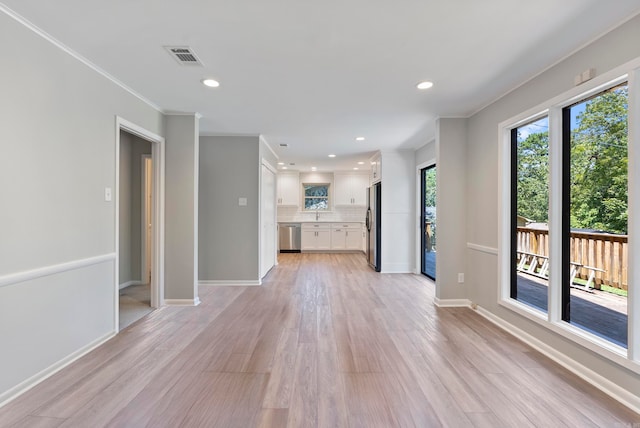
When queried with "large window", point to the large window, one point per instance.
{"points": [[568, 224], [316, 197], [595, 265], [530, 213]]}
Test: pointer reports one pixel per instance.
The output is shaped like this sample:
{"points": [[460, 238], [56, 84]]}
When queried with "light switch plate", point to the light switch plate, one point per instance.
{"points": [[242, 202], [107, 194]]}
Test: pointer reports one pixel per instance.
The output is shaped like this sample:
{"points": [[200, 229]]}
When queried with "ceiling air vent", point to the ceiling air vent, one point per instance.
{"points": [[184, 55], [284, 145]]}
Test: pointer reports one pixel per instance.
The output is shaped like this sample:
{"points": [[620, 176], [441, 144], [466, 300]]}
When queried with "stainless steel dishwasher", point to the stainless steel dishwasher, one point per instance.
{"points": [[289, 237]]}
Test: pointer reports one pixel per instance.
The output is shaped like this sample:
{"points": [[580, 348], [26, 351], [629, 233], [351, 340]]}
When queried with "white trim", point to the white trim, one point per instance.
{"points": [[262, 139], [269, 166], [230, 283], [418, 243], [48, 37], [182, 302], [157, 263], [32, 274], [633, 215], [482, 248], [27, 384], [129, 284], [389, 267], [146, 270], [605, 385], [452, 303]]}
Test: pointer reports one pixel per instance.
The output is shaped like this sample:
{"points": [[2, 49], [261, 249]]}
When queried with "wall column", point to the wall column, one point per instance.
{"points": [[451, 139], [181, 209]]}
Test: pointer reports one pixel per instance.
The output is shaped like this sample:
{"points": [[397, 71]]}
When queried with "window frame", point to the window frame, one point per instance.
{"points": [[305, 197], [552, 320]]}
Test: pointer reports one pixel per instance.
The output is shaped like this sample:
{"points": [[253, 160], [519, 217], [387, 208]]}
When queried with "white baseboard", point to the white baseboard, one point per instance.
{"points": [[452, 303], [397, 268], [26, 385], [182, 302], [129, 284], [231, 282], [618, 393]]}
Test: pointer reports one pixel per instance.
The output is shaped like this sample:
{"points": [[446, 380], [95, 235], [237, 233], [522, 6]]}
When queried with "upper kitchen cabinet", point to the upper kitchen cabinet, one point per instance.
{"points": [[288, 189], [376, 168], [350, 189]]}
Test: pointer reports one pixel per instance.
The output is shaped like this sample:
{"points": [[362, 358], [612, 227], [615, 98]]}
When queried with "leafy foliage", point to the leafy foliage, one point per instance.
{"points": [[598, 172], [533, 177], [599, 160]]}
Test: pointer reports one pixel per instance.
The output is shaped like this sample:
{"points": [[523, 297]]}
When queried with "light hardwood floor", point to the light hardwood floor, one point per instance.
{"points": [[325, 342]]}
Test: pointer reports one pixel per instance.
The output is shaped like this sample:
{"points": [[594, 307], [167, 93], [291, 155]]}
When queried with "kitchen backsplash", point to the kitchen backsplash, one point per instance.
{"points": [[338, 214]]}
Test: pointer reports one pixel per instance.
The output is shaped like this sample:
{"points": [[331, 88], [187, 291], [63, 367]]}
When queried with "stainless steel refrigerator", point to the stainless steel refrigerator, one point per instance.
{"points": [[373, 225]]}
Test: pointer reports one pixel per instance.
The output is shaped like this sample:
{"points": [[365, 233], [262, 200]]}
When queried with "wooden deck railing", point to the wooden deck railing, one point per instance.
{"points": [[604, 251]]}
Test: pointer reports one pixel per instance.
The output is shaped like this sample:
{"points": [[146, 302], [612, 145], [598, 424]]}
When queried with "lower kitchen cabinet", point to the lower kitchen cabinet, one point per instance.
{"points": [[332, 236], [316, 236], [346, 236]]}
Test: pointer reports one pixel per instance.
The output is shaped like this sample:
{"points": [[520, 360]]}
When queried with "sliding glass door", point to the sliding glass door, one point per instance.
{"points": [[428, 221]]}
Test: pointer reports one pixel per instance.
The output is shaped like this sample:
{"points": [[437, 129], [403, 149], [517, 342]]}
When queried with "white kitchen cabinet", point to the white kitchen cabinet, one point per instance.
{"points": [[346, 236], [376, 169], [350, 189], [288, 189], [316, 236]]}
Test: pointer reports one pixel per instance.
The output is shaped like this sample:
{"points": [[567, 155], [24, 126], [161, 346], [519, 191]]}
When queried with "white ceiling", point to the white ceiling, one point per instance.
{"points": [[317, 74]]}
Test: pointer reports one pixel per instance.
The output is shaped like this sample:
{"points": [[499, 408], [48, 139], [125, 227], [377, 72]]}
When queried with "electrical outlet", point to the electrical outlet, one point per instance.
{"points": [[460, 278]]}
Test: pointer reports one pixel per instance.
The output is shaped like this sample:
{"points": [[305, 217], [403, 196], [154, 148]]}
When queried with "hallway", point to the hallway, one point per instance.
{"points": [[324, 342]]}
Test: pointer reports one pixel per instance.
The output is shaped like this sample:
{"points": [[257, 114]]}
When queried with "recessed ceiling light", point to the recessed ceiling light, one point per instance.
{"points": [[424, 85], [210, 83], [284, 167], [359, 138], [360, 163], [332, 156], [355, 169], [280, 163], [313, 168]]}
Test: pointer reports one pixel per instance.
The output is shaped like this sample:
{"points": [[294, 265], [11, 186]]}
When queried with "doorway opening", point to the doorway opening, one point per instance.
{"points": [[139, 240], [428, 221]]}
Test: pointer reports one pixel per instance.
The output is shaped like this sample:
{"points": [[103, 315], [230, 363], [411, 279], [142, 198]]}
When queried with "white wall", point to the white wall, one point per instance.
{"points": [[426, 153], [57, 155], [398, 212], [614, 49], [229, 234]]}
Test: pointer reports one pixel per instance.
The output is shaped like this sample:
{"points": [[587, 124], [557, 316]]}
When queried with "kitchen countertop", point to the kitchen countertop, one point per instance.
{"points": [[320, 221]]}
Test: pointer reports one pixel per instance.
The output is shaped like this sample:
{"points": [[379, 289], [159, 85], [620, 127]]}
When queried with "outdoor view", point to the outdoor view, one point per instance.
{"points": [[316, 197], [596, 203], [598, 215], [532, 208], [429, 222]]}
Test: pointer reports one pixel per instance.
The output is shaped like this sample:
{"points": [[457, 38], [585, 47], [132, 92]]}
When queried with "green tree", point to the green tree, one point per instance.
{"points": [[533, 176], [599, 160], [430, 187]]}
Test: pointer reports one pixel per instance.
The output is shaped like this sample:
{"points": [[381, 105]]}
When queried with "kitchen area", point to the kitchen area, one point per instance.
{"points": [[334, 212]]}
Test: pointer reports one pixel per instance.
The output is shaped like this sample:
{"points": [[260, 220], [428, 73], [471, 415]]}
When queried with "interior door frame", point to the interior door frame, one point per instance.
{"points": [[418, 244], [273, 170], [157, 265], [146, 272]]}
